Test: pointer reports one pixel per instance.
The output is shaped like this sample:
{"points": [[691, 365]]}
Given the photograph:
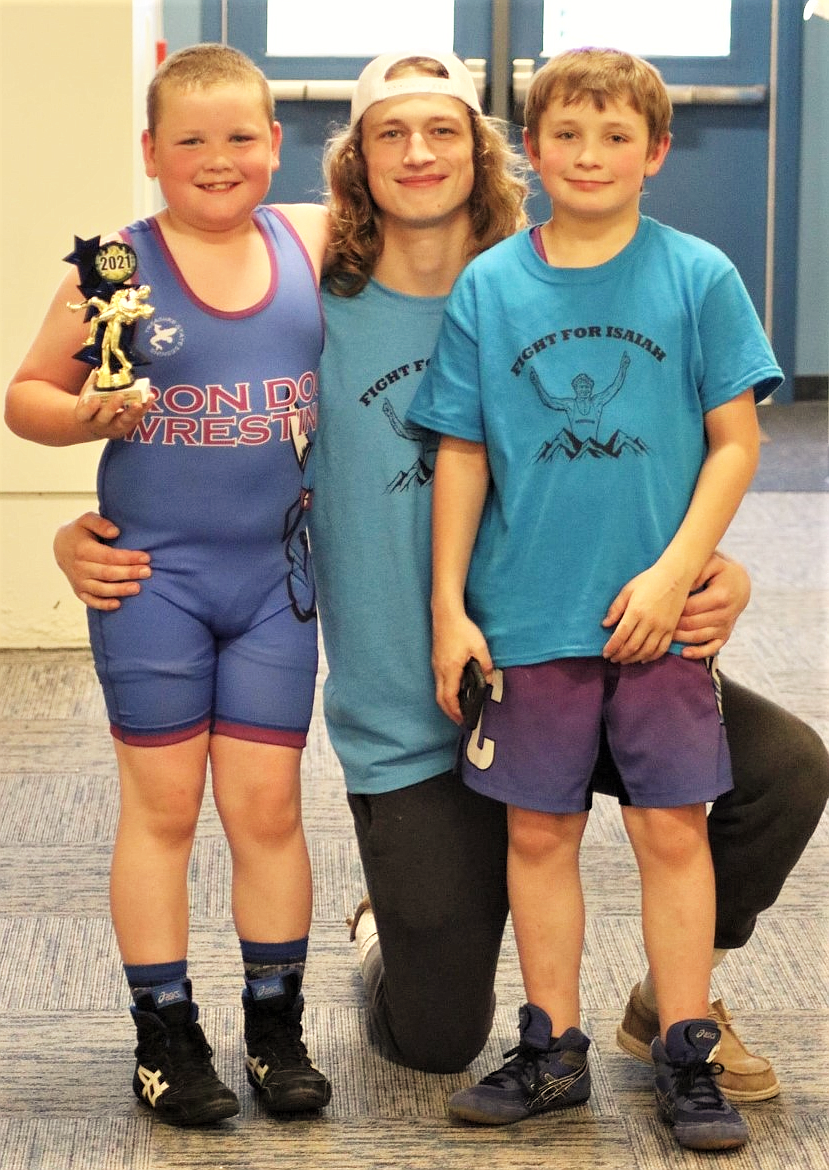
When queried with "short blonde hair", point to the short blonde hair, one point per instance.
{"points": [[599, 75], [201, 66], [496, 204]]}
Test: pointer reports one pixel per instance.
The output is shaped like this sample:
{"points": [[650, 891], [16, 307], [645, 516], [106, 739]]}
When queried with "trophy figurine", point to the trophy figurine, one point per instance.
{"points": [[113, 309]]}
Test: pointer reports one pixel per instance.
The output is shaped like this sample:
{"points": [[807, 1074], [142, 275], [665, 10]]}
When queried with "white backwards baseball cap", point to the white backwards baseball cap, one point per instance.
{"points": [[373, 84]]}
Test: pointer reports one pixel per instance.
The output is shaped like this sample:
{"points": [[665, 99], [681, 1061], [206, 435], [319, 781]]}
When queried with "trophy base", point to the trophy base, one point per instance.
{"points": [[138, 391]]}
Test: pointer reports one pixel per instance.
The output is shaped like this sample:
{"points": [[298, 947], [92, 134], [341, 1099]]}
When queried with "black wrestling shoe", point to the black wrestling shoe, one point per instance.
{"points": [[278, 1066], [174, 1074]]}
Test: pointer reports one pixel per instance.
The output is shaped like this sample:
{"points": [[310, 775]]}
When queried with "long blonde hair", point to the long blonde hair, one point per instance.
{"points": [[496, 204]]}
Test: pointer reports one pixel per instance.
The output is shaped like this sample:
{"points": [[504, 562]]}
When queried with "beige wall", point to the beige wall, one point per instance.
{"points": [[72, 80]]}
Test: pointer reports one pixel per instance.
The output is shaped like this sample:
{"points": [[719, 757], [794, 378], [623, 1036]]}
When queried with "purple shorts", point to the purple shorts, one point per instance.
{"points": [[537, 740]]}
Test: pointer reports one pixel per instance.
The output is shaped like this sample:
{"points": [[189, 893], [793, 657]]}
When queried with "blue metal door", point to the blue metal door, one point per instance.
{"points": [[307, 123], [731, 176]]}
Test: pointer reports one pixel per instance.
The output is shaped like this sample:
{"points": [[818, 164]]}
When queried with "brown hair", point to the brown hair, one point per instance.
{"points": [[599, 75], [496, 203], [201, 66]]}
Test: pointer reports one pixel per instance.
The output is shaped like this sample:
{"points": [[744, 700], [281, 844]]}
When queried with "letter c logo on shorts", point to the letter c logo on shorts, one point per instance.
{"points": [[480, 751]]}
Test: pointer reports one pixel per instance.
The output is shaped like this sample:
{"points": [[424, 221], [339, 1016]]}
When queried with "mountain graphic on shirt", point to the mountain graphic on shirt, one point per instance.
{"points": [[416, 476], [567, 446]]}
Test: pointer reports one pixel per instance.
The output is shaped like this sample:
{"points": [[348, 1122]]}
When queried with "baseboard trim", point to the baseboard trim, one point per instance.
{"points": [[811, 388]]}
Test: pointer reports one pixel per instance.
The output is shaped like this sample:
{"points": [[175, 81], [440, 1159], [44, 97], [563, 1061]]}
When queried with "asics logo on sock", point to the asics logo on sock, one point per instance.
{"points": [[167, 997], [266, 988], [153, 1084]]}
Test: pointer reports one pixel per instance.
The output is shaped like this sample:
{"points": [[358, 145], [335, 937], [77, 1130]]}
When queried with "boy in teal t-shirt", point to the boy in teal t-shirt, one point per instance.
{"points": [[594, 384]]}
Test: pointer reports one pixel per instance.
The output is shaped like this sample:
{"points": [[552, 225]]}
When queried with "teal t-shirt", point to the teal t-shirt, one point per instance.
{"points": [[370, 526], [589, 387]]}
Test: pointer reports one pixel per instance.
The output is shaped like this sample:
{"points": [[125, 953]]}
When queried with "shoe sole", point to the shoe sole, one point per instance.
{"points": [[712, 1140], [640, 1051], [480, 1117], [208, 1117], [301, 1102], [733, 1144]]}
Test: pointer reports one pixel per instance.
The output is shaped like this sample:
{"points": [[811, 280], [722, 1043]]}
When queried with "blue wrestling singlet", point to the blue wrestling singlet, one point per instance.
{"points": [[223, 635]]}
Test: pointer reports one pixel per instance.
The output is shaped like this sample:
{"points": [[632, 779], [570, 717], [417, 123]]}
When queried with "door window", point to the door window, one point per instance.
{"points": [[650, 28], [327, 28]]}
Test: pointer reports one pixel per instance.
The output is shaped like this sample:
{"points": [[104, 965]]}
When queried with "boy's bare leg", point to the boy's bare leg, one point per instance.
{"points": [[161, 794], [549, 931], [678, 906], [257, 792], [757, 833]]}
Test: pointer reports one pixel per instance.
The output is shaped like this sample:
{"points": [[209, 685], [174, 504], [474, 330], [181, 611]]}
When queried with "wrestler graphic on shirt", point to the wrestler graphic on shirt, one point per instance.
{"points": [[423, 468], [584, 410], [584, 415]]}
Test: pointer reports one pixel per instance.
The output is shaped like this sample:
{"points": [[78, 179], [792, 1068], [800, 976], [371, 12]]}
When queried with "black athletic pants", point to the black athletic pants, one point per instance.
{"points": [[434, 857]]}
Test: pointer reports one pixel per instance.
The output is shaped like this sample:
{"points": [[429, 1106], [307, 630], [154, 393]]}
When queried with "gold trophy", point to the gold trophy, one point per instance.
{"points": [[113, 309]]}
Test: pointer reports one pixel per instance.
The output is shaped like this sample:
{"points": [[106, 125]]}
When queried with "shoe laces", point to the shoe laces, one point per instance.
{"points": [[695, 1082], [278, 1040], [188, 1047], [523, 1067]]}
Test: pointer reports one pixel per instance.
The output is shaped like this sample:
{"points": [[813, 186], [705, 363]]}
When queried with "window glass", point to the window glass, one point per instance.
{"points": [[327, 28], [650, 28]]}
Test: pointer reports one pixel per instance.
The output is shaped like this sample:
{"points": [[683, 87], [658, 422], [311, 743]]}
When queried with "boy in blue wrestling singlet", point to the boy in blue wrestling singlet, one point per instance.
{"points": [[216, 658]]}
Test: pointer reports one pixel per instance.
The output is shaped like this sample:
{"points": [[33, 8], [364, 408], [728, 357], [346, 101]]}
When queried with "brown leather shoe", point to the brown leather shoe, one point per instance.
{"points": [[363, 905], [745, 1077]]}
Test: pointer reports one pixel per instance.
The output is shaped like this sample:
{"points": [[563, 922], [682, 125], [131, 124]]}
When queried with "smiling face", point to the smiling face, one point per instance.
{"points": [[418, 151], [213, 152], [592, 162]]}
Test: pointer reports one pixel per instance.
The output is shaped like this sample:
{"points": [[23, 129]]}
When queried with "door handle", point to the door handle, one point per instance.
{"points": [[522, 70], [718, 95], [313, 90], [681, 95]]}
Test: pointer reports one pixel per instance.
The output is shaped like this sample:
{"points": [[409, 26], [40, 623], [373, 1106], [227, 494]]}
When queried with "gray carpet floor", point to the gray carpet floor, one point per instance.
{"points": [[66, 1037], [795, 454]]}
